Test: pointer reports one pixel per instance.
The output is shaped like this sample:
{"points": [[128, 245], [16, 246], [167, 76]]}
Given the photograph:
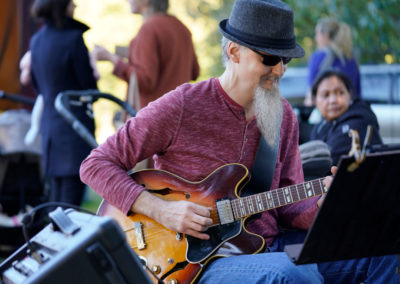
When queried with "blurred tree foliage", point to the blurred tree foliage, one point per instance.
{"points": [[375, 26]]}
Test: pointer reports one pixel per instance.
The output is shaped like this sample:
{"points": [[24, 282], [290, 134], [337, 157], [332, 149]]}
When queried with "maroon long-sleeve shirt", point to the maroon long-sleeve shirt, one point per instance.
{"points": [[162, 56], [193, 130]]}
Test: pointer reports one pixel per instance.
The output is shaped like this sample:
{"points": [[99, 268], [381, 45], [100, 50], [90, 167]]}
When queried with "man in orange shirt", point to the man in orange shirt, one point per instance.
{"points": [[161, 55]]}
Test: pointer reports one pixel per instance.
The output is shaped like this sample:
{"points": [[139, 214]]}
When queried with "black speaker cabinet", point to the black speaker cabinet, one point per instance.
{"points": [[75, 248]]}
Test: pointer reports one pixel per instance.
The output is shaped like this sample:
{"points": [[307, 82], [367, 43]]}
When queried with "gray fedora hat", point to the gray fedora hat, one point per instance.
{"points": [[264, 25]]}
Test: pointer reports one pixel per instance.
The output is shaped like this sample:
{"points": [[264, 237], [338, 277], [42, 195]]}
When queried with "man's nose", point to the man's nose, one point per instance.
{"points": [[278, 69]]}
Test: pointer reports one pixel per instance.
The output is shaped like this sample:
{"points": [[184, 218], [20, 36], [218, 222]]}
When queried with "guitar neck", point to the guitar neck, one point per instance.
{"points": [[265, 201]]}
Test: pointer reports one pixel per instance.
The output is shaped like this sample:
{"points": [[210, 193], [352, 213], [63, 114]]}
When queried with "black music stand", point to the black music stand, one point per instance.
{"points": [[360, 216]]}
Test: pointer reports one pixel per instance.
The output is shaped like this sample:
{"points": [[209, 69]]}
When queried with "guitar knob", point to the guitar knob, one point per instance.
{"points": [[156, 269], [172, 281]]}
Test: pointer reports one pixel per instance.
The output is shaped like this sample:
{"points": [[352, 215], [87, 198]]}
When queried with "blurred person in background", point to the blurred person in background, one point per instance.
{"points": [[60, 61], [160, 57], [334, 96], [335, 50]]}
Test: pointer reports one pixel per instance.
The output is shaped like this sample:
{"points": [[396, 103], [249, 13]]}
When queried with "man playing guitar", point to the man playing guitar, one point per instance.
{"points": [[193, 132]]}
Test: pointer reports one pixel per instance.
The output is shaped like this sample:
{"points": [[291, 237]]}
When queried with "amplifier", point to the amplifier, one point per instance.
{"points": [[75, 248]]}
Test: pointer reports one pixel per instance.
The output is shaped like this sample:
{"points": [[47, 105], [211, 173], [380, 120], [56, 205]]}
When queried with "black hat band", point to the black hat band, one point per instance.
{"points": [[280, 43]]}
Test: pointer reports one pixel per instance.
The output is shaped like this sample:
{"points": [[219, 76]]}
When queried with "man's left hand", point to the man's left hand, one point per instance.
{"points": [[327, 182]]}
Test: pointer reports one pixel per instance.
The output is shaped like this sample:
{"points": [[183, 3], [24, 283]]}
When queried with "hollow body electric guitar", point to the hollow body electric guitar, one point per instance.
{"points": [[175, 258]]}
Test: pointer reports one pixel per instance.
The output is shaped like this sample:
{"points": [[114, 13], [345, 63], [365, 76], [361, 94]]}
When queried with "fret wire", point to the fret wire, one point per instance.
{"points": [[321, 185], [300, 188], [238, 208], [246, 206], [316, 187], [274, 201], [308, 191], [235, 208], [297, 191], [265, 202], [260, 205], [249, 205], [312, 187], [255, 206], [271, 201], [242, 208], [291, 195], [303, 191], [277, 196], [254, 203], [282, 196]]}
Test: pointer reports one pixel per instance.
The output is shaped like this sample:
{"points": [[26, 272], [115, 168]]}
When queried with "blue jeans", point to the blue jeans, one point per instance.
{"points": [[275, 267], [271, 268]]}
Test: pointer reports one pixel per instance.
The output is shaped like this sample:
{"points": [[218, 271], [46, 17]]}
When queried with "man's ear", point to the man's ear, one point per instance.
{"points": [[233, 51]]}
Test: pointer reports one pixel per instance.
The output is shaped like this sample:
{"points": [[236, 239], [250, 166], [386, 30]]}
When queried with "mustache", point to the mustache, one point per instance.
{"points": [[269, 78]]}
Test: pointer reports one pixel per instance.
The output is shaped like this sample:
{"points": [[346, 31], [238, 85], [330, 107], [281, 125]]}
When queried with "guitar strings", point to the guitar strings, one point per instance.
{"points": [[279, 193]]}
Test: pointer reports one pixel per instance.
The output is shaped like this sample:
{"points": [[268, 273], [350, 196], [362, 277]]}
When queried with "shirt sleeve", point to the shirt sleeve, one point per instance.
{"points": [[144, 60], [150, 132]]}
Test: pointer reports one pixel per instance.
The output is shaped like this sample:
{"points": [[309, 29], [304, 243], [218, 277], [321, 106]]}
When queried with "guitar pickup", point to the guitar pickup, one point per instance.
{"points": [[139, 235], [225, 213]]}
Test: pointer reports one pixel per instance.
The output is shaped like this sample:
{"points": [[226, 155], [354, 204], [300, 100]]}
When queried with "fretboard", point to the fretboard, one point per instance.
{"points": [[261, 202]]}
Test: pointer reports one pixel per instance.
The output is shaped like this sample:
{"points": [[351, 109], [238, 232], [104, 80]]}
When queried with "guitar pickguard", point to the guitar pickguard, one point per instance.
{"points": [[199, 250]]}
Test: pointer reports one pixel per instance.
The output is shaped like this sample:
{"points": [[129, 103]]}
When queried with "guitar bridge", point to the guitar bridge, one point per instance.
{"points": [[225, 213], [139, 235]]}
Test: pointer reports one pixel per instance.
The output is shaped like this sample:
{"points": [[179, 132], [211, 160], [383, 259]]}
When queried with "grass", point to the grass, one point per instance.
{"points": [[91, 201]]}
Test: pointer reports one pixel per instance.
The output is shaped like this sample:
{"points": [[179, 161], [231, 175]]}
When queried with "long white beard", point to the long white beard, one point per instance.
{"points": [[268, 110]]}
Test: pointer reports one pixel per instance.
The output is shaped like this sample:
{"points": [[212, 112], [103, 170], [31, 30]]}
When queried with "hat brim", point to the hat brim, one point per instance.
{"points": [[296, 52]]}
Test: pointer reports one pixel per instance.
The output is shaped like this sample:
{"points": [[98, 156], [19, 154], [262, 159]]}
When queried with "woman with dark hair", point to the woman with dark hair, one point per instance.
{"points": [[161, 56], [333, 95], [60, 61]]}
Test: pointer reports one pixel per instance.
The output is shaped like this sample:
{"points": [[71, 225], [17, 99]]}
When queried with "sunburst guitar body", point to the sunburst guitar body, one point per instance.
{"points": [[172, 257]]}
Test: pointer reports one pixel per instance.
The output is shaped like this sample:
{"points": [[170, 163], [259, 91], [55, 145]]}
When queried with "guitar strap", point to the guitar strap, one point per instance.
{"points": [[263, 168]]}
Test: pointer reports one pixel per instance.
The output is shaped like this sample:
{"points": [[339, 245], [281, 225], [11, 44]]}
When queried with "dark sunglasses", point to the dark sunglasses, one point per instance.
{"points": [[272, 60]]}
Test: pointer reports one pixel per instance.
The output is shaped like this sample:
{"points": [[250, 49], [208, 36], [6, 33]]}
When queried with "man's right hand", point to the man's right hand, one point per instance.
{"points": [[99, 53], [179, 216]]}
